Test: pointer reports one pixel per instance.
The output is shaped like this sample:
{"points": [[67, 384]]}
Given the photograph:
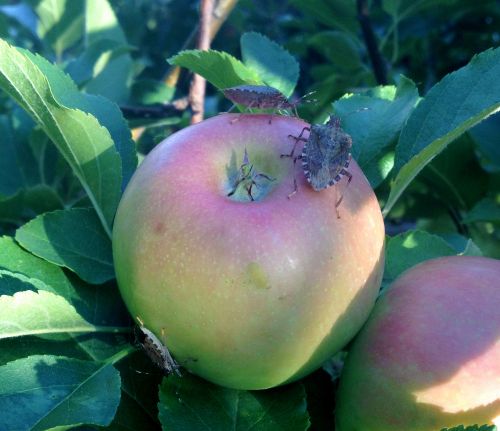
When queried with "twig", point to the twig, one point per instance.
{"points": [[378, 63], [198, 83], [156, 110], [220, 13]]}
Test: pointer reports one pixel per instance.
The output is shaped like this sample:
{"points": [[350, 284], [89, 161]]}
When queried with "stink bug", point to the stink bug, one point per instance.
{"points": [[246, 177], [261, 97], [325, 155], [157, 351]]}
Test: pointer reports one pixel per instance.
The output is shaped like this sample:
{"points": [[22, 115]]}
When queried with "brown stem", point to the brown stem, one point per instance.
{"points": [[177, 107], [378, 63], [198, 83], [220, 13]]}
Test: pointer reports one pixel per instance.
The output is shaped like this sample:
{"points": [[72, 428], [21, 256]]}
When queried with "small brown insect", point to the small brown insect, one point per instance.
{"points": [[247, 177], [157, 351], [258, 96], [325, 155], [261, 97]]}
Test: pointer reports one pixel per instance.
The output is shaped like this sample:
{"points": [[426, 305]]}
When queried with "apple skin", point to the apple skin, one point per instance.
{"points": [[248, 295], [429, 355]]}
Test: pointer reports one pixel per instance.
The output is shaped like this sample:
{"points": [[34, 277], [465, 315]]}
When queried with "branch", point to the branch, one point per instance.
{"points": [[378, 63], [198, 83], [155, 111], [220, 13]]}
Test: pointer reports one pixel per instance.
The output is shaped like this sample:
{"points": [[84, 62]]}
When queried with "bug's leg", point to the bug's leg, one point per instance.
{"points": [[229, 110], [238, 118], [297, 139], [349, 178], [295, 185]]}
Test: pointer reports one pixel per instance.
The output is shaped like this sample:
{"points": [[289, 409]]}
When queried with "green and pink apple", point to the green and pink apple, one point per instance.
{"points": [[429, 355], [246, 294]]}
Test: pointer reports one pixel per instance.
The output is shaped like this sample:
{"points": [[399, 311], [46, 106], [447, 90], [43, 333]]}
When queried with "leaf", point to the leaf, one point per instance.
{"points": [[458, 102], [101, 23], [487, 209], [102, 305], [42, 392], [107, 113], [189, 403], [95, 59], [485, 135], [60, 23], [375, 128], [410, 248], [337, 14], [219, 68], [28, 203], [341, 49], [113, 80], [472, 428], [36, 312], [84, 143], [273, 64], [14, 259], [11, 179], [71, 238]]}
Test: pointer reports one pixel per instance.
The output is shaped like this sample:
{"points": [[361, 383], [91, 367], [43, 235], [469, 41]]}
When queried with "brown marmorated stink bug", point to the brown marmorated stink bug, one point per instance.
{"points": [[261, 97], [156, 350], [325, 155], [247, 177]]}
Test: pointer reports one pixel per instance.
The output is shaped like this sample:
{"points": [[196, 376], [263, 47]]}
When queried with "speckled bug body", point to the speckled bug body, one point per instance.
{"points": [[258, 96], [325, 155], [157, 351]]}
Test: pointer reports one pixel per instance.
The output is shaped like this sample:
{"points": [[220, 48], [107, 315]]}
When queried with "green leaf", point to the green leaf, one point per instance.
{"points": [[485, 136], [71, 238], [458, 102], [11, 179], [375, 128], [95, 59], [42, 392], [14, 259], [84, 143], [219, 68], [341, 49], [28, 203], [274, 64], [101, 23], [472, 428], [60, 23], [107, 113], [337, 14], [36, 312], [149, 91], [114, 78], [410, 248], [189, 403], [487, 209], [100, 305]]}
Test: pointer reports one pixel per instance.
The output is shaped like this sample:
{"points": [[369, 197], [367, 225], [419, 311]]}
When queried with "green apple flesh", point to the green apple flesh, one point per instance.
{"points": [[429, 355], [248, 295]]}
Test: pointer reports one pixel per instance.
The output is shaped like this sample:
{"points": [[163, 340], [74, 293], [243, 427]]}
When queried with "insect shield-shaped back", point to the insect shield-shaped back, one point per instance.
{"points": [[326, 154], [257, 96], [157, 351]]}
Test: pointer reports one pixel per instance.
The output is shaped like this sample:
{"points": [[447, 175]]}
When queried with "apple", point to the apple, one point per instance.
{"points": [[429, 355], [247, 294]]}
